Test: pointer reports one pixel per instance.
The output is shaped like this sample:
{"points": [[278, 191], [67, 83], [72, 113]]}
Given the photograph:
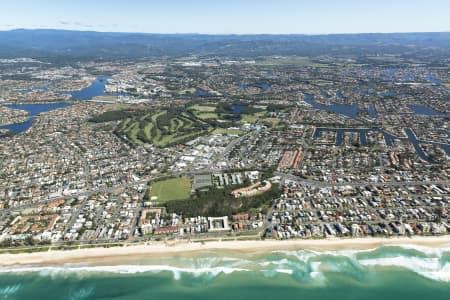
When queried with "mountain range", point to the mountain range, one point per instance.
{"points": [[48, 43]]}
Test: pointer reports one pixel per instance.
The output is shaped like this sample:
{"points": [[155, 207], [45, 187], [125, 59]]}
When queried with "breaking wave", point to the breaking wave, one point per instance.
{"points": [[9, 290], [126, 269], [82, 293], [302, 265]]}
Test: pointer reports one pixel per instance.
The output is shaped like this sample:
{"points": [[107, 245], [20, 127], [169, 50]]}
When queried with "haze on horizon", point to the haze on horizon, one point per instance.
{"points": [[229, 17]]}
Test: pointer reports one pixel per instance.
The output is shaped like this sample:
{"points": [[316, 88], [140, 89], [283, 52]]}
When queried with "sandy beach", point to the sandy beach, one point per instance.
{"points": [[183, 247]]}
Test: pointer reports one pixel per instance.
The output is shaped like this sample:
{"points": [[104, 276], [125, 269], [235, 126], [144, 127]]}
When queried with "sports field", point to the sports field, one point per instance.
{"points": [[228, 131], [171, 189]]}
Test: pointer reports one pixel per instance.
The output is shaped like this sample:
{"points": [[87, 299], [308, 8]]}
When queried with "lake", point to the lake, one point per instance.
{"points": [[238, 108], [425, 110], [343, 109], [201, 93]]}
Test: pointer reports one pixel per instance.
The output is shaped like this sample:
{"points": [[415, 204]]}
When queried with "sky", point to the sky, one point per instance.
{"points": [[229, 16]]}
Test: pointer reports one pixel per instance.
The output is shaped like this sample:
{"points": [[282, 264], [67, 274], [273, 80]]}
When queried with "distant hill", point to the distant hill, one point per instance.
{"points": [[98, 45]]}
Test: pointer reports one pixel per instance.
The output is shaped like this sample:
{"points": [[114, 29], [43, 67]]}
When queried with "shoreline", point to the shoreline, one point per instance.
{"points": [[164, 249]]}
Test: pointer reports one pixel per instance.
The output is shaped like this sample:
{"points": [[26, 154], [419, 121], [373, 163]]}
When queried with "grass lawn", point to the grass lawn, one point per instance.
{"points": [[171, 189], [248, 119], [228, 131], [125, 123], [252, 118], [119, 106], [273, 121], [134, 129], [203, 108], [147, 130], [207, 116]]}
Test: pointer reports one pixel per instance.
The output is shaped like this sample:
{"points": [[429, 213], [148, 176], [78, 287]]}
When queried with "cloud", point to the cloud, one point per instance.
{"points": [[76, 24], [64, 22]]}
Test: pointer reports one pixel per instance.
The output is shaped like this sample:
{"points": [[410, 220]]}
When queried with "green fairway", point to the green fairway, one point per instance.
{"points": [[204, 111], [171, 189], [207, 115], [246, 118], [203, 108], [174, 126], [165, 127]]}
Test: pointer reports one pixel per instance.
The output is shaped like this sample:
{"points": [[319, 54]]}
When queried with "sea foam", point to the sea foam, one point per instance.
{"points": [[304, 265], [430, 268], [124, 269], [9, 290]]}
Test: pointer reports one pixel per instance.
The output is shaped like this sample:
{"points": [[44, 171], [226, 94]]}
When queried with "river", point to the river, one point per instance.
{"points": [[97, 88], [33, 110]]}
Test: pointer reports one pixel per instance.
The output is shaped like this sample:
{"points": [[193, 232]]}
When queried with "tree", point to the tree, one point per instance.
{"points": [[6, 243], [29, 241]]}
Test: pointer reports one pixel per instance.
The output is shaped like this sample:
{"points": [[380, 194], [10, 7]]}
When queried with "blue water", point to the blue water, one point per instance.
{"points": [[36, 109], [352, 111], [446, 148], [433, 79], [372, 112], [201, 93], [238, 108], [325, 95], [415, 142], [18, 127], [387, 94], [33, 110], [389, 138], [343, 109], [340, 134], [390, 272], [97, 88], [425, 110]]}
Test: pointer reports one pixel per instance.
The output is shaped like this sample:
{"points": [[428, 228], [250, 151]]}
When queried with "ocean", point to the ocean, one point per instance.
{"points": [[389, 272]]}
